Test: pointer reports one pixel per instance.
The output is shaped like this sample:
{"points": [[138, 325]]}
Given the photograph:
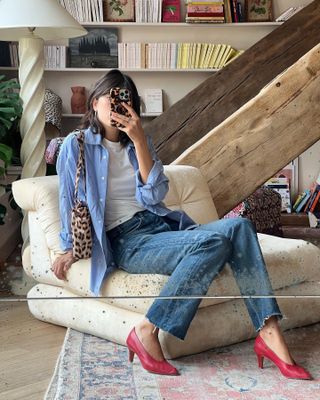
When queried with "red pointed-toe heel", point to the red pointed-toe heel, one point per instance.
{"points": [[288, 370], [148, 362]]}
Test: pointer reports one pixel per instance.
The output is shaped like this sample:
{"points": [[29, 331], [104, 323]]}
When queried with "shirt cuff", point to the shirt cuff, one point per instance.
{"points": [[154, 176], [65, 241]]}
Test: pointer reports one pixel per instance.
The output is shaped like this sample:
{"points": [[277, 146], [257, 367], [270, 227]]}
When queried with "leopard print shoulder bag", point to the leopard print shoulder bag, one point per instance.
{"points": [[80, 215]]}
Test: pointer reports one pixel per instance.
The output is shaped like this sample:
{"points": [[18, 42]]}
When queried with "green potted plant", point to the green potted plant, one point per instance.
{"points": [[10, 141], [10, 114]]}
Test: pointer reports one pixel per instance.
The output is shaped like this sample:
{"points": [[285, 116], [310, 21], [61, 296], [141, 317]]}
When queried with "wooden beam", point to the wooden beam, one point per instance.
{"points": [[225, 92], [261, 137]]}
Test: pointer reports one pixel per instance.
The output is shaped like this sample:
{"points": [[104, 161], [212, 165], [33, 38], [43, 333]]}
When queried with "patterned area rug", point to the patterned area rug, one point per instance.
{"points": [[90, 368]]}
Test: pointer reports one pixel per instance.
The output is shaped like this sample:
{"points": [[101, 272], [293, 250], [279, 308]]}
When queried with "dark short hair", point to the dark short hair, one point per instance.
{"points": [[113, 78]]}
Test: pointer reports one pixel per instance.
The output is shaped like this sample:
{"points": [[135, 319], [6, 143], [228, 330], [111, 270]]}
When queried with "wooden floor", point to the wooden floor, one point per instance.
{"points": [[29, 349]]}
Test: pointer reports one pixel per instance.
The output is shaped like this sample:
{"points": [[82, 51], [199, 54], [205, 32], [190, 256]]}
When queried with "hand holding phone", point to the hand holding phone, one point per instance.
{"points": [[118, 96]]}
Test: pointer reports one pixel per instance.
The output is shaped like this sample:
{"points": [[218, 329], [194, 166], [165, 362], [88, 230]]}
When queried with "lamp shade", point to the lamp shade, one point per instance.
{"points": [[50, 20]]}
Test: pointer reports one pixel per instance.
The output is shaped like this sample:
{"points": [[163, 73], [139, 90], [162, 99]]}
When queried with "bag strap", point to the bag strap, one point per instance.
{"points": [[80, 163]]}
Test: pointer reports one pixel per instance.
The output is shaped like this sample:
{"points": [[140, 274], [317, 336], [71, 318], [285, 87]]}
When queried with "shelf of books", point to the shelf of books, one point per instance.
{"points": [[101, 51], [191, 12], [122, 69], [180, 24]]}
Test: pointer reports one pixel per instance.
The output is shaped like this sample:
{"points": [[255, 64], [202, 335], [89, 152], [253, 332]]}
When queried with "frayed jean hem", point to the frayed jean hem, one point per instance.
{"points": [[164, 328], [279, 318]]}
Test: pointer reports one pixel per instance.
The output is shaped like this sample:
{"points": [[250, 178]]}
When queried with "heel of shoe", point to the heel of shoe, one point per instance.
{"points": [[260, 361], [131, 355]]}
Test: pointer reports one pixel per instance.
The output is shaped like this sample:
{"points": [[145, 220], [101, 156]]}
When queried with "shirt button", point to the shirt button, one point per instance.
{"points": [[104, 157], [101, 199], [102, 177]]}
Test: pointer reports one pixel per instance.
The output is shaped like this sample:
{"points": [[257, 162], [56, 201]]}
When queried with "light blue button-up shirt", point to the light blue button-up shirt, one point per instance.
{"points": [[149, 195]]}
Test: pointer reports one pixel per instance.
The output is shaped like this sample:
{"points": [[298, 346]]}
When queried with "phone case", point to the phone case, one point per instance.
{"points": [[117, 96]]}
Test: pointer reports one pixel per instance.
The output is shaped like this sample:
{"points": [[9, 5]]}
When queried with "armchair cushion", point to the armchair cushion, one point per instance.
{"points": [[293, 266]]}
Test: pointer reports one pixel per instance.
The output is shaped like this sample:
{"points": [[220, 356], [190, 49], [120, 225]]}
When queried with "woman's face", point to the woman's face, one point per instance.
{"points": [[102, 107]]}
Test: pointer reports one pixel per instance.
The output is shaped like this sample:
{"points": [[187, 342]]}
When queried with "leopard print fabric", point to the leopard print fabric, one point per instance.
{"points": [[80, 215], [118, 95]]}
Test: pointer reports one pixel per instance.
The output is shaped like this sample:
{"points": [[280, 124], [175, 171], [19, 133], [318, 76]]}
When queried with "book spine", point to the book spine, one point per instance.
{"points": [[300, 197], [204, 8], [302, 203], [205, 14], [314, 192], [315, 202]]}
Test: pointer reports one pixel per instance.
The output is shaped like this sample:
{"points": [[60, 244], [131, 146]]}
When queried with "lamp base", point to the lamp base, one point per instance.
{"points": [[32, 90]]}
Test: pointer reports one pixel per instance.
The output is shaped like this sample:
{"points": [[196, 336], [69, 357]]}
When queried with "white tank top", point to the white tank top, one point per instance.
{"points": [[121, 203]]}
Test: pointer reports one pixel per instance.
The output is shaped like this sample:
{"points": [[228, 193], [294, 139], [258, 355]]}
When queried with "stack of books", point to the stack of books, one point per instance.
{"points": [[55, 56], [309, 200], [148, 10], [205, 11], [175, 55], [13, 54], [281, 185], [84, 10], [233, 11]]}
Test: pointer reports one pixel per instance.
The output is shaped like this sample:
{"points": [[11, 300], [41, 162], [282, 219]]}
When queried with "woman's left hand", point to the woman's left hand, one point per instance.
{"points": [[132, 125]]}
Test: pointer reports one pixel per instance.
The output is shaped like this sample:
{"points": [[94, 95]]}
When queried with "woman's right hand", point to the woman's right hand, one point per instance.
{"points": [[62, 264]]}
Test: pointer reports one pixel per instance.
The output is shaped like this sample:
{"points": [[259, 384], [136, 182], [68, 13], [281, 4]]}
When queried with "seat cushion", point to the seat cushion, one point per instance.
{"points": [[289, 262], [212, 326]]}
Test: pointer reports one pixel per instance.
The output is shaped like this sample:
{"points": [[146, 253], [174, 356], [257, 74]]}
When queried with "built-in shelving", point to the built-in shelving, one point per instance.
{"points": [[122, 69], [175, 83], [181, 24]]}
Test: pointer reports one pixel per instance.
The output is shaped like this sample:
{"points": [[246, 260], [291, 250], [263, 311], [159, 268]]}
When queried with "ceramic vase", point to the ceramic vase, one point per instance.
{"points": [[78, 100]]}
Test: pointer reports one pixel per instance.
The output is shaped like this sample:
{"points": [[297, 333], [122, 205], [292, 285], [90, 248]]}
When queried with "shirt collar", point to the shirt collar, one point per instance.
{"points": [[96, 138]]}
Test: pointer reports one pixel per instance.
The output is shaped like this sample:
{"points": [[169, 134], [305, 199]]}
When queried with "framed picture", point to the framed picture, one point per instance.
{"points": [[259, 10], [97, 49], [118, 10]]}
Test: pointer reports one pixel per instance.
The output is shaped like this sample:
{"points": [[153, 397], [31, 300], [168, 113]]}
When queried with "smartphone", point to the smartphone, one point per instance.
{"points": [[118, 96]]}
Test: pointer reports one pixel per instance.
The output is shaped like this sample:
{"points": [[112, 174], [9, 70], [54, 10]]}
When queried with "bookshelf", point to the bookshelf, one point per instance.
{"points": [[176, 83], [104, 70], [179, 24]]}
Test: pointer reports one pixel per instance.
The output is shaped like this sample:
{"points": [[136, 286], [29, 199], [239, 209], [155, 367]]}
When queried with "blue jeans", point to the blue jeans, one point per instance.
{"points": [[151, 244]]}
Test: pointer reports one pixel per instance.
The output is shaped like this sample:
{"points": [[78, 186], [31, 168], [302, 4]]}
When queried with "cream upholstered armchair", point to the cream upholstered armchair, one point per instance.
{"points": [[293, 266]]}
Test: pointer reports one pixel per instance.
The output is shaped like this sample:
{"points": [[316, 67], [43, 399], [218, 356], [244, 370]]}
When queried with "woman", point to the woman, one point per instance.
{"points": [[134, 230]]}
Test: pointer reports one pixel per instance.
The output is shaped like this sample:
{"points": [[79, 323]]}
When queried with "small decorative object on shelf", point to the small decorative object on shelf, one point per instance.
{"points": [[53, 113], [289, 13], [97, 49], [153, 101], [118, 10], [78, 100], [171, 11], [259, 10]]}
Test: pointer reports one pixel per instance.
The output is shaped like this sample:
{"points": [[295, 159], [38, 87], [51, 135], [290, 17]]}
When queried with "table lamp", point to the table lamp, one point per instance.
{"points": [[31, 22]]}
